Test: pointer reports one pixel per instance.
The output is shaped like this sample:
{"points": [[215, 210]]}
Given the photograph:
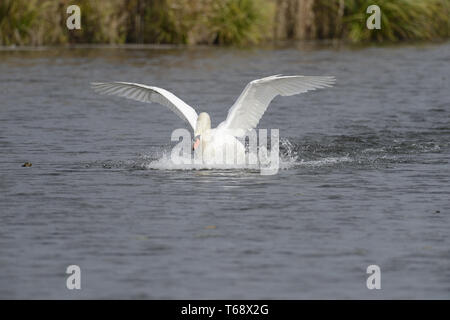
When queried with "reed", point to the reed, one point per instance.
{"points": [[34, 22], [400, 20], [16, 21], [240, 21], [222, 22], [219, 22]]}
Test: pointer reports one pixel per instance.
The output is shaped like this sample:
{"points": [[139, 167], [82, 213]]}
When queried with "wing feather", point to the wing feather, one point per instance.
{"points": [[257, 95], [148, 94]]}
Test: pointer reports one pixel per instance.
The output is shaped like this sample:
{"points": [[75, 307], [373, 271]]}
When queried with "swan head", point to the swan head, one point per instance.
{"points": [[203, 126]]}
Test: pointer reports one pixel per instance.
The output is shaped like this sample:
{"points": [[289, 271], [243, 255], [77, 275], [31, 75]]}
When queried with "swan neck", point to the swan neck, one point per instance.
{"points": [[203, 124]]}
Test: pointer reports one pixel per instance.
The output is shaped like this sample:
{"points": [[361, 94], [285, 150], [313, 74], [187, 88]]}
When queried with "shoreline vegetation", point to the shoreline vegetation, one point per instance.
{"points": [[220, 22]]}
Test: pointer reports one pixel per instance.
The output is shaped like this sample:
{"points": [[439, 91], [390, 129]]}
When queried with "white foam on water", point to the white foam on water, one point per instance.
{"points": [[165, 162], [324, 161], [286, 162]]}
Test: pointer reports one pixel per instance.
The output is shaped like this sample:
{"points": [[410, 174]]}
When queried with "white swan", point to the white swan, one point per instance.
{"points": [[242, 116]]}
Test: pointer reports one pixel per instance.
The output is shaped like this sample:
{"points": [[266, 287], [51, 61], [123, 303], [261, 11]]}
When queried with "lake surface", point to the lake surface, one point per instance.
{"points": [[364, 180]]}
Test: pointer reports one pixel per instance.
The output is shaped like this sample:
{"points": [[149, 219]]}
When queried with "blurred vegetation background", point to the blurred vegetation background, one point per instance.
{"points": [[219, 22]]}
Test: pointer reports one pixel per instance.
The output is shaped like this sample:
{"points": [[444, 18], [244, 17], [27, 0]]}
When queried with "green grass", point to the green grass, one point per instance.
{"points": [[40, 22], [400, 20], [218, 22], [238, 22], [17, 19]]}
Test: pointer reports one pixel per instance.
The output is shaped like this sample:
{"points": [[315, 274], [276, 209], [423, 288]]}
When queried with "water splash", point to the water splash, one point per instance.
{"points": [[320, 152], [289, 157]]}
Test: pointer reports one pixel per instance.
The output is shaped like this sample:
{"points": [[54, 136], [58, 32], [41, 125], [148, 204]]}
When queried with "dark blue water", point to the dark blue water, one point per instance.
{"points": [[365, 178]]}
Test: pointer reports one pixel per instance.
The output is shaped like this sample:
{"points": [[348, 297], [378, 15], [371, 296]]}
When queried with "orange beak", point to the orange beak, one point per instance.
{"points": [[196, 143]]}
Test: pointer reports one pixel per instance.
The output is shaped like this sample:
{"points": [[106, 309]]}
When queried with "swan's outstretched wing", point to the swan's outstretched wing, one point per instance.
{"points": [[257, 95], [149, 94]]}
